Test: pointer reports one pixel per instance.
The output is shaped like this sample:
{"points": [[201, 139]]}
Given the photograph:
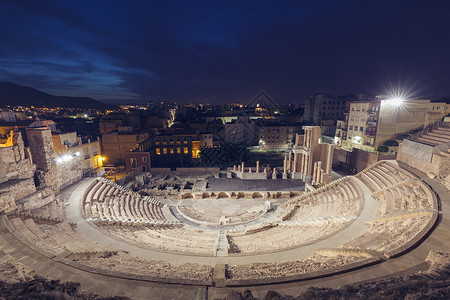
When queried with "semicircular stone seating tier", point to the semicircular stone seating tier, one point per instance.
{"points": [[406, 211], [105, 202]]}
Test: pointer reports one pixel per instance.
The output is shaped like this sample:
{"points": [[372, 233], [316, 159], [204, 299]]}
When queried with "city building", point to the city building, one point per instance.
{"points": [[116, 144], [90, 151], [137, 161], [323, 110], [207, 140], [370, 124], [276, 136], [174, 150], [241, 131]]}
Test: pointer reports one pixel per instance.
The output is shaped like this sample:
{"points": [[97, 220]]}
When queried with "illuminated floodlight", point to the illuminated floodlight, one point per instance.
{"points": [[396, 101], [64, 158], [77, 153]]}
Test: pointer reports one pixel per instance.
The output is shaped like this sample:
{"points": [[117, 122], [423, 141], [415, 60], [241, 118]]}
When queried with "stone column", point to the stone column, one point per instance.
{"points": [[319, 168], [250, 170], [304, 139], [314, 174], [294, 169], [274, 174], [289, 162], [243, 170], [284, 164], [306, 173], [257, 166], [234, 168], [239, 168], [302, 167]]}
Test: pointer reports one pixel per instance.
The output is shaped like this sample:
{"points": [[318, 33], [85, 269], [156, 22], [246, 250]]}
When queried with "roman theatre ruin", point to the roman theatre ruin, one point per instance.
{"points": [[173, 228]]}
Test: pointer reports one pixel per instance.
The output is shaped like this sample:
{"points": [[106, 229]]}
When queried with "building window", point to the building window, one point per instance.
{"points": [[144, 159], [351, 127], [133, 163], [361, 129], [171, 150], [164, 150], [186, 150], [178, 150], [158, 151]]}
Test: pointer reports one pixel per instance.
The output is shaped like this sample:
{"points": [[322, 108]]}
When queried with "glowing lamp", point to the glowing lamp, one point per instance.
{"points": [[396, 101]]}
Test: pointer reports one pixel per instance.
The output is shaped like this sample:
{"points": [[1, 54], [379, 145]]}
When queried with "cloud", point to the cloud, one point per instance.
{"points": [[220, 50]]}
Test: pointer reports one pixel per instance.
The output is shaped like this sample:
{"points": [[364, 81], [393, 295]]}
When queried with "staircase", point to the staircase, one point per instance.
{"points": [[221, 246], [435, 134]]}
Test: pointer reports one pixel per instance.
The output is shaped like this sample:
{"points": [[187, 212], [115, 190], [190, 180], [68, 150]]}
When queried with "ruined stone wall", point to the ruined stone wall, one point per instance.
{"points": [[16, 162], [68, 172], [16, 173], [41, 146]]}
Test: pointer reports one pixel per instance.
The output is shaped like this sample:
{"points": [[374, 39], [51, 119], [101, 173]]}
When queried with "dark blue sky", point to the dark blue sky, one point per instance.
{"points": [[221, 51]]}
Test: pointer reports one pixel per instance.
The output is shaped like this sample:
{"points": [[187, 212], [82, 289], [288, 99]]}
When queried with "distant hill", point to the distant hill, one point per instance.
{"points": [[14, 94]]}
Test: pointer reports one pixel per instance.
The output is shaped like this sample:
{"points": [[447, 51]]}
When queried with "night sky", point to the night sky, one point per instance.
{"points": [[223, 51]]}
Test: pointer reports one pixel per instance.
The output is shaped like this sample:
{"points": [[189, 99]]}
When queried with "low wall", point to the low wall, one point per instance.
{"points": [[301, 277], [358, 159], [184, 170], [425, 166]]}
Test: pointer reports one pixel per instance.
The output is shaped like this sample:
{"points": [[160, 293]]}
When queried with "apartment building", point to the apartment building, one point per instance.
{"points": [[369, 124]]}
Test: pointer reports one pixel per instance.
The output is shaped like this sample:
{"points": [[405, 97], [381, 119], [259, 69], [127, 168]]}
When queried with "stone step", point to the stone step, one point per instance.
{"points": [[221, 245], [436, 138]]}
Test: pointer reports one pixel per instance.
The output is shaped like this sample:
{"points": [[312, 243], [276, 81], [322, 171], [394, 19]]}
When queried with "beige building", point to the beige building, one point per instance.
{"points": [[90, 151], [369, 124]]}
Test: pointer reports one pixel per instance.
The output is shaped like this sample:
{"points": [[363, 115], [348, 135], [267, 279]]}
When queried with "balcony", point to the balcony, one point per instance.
{"points": [[373, 112], [370, 133], [371, 123]]}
